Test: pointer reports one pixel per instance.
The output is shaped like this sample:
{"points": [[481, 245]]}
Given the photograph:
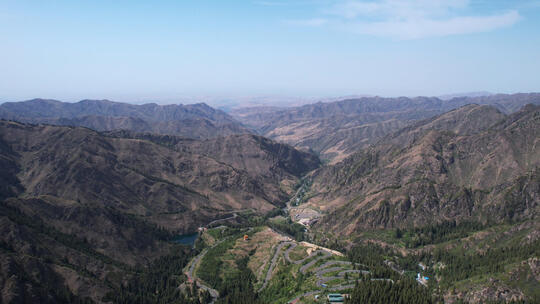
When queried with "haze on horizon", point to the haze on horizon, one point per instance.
{"points": [[164, 51]]}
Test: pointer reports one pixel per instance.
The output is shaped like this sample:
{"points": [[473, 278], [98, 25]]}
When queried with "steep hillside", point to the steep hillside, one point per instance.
{"points": [[272, 163], [338, 129], [467, 120], [80, 210], [452, 167], [55, 251], [145, 178], [194, 121], [257, 155]]}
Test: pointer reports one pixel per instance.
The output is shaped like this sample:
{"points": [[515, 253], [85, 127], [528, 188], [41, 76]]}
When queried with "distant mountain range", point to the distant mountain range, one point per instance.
{"points": [[333, 129], [193, 121], [468, 94], [338, 129]]}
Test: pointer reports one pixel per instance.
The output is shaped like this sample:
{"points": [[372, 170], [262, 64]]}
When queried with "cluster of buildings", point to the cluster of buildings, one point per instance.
{"points": [[307, 221], [420, 278]]}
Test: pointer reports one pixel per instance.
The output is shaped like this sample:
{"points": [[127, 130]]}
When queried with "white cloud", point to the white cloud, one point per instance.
{"points": [[424, 28], [396, 8], [410, 19], [314, 22]]}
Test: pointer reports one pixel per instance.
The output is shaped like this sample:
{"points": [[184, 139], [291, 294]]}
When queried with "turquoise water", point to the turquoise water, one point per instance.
{"points": [[187, 239]]}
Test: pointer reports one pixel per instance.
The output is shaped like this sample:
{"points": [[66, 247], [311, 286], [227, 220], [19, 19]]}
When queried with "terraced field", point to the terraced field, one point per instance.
{"points": [[321, 270], [284, 270]]}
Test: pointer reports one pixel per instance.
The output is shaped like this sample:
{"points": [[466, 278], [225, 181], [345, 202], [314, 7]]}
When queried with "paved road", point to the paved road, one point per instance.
{"points": [[392, 265], [342, 273], [335, 288], [273, 264], [319, 271], [194, 263], [214, 293], [293, 245], [303, 269], [191, 278], [327, 270], [293, 198], [322, 254], [324, 269], [329, 263], [233, 216]]}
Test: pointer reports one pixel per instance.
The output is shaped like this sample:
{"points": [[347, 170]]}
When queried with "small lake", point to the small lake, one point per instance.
{"points": [[186, 239]]}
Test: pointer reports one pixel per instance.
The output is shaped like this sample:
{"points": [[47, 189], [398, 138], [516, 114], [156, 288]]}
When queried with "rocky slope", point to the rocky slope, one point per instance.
{"points": [[270, 162], [338, 129], [472, 163], [145, 178], [194, 121], [79, 208]]}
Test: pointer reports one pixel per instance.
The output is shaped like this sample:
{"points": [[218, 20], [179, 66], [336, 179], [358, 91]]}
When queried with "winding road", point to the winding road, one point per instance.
{"points": [[313, 257], [319, 272], [214, 293], [273, 264], [303, 269], [327, 267], [320, 254], [191, 269]]}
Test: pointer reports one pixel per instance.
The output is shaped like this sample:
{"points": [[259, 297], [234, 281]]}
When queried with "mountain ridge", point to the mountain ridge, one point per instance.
{"points": [[435, 176], [194, 120], [337, 129]]}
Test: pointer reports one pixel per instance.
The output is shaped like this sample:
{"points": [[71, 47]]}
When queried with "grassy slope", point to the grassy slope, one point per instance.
{"points": [[287, 282], [516, 272]]}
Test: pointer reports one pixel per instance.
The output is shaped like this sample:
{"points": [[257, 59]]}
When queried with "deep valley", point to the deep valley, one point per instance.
{"points": [[382, 200]]}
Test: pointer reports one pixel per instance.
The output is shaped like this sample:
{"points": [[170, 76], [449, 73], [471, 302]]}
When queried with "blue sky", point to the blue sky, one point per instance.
{"points": [[166, 51]]}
